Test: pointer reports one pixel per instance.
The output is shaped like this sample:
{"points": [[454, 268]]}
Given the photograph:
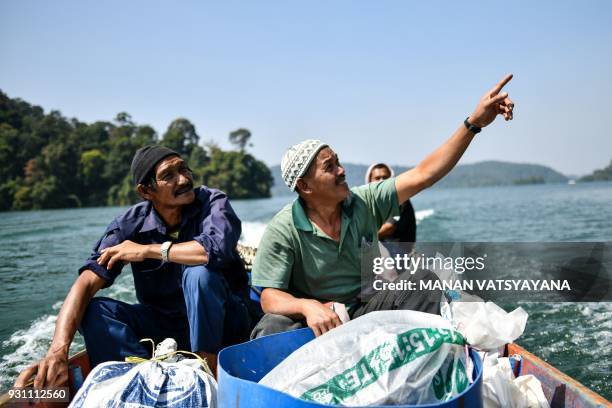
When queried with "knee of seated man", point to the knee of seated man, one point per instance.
{"points": [[272, 323], [202, 277], [97, 308]]}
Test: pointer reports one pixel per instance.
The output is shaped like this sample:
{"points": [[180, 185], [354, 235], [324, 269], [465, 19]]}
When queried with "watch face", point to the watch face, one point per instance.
{"points": [[164, 250]]}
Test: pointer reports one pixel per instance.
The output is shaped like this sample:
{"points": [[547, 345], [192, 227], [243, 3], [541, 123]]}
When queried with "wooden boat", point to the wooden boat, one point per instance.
{"points": [[78, 369], [560, 389]]}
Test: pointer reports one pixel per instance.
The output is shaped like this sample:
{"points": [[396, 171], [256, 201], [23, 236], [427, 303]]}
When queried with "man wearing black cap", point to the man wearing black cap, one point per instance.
{"points": [[189, 281]]}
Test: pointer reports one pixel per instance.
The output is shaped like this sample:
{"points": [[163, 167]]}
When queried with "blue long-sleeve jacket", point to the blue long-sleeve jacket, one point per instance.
{"points": [[209, 220]]}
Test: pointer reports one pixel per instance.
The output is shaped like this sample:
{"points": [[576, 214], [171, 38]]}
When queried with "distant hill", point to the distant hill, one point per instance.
{"points": [[497, 173], [604, 174], [486, 173]]}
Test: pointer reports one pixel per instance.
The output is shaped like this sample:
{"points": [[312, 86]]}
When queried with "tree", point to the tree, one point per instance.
{"points": [[123, 193], [7, 193], [49, 161], [197, 161], [92, 136], [240, 138], [9, 143], [181, 136], [604, 174], [238, 174], [123, 142], [95, 188], [124, 119]]}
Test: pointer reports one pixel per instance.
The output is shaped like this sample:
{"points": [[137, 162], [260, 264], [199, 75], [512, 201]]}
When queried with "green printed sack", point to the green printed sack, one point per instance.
{"points": [[387, 357]]}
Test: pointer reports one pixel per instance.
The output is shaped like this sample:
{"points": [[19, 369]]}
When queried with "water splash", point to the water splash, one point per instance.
{"points": [[422, 214], [29, 345]]}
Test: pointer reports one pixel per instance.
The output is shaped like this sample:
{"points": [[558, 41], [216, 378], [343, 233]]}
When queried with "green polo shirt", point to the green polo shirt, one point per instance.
{"points": [[296, 256]]}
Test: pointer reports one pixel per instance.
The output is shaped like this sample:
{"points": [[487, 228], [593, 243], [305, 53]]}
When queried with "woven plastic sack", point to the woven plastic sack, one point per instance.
{"points": [[148, 384], [386, 357]]}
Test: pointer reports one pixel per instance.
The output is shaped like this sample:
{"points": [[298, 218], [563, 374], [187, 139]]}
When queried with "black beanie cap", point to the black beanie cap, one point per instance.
{"points": [[146, 158]]}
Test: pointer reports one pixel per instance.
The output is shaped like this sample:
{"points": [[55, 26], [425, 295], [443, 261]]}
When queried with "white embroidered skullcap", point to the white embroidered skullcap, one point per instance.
{"points": [[369, 171], [297, 159]]}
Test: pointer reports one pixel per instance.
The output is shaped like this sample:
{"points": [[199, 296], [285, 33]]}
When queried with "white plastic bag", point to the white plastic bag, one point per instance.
{"points": [[501, 390], [496, 374], [484, 325], [386, 357], [531, 389], [487, 326]]}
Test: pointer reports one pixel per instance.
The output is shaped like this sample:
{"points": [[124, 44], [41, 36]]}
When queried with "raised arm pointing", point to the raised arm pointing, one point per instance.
{"points": [[444, 158]]}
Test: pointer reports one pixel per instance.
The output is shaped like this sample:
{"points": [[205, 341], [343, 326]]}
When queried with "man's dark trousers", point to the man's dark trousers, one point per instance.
{"points": [[214, 318]]}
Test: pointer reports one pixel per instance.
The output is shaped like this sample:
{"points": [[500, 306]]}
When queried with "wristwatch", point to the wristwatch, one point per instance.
{"points": [[165, 248], [472, 128]]}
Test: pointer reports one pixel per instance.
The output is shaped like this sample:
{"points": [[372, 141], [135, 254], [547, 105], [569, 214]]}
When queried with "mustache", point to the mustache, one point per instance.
{"points": [[184, 189], [340, 180]]}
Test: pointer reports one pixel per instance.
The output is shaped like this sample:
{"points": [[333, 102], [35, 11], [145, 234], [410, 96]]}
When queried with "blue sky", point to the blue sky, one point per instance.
{"points": [[378, 80]]}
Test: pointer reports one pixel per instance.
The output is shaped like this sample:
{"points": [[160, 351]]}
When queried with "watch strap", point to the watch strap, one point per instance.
{"points": [[472, 128]]}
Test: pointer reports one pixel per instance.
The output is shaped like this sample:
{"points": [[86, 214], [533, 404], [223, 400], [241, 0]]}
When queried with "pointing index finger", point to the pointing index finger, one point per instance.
{"points": [[497, 88]]}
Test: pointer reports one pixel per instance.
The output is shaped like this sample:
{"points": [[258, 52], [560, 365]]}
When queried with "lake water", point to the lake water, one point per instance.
{"points": [[40, 252]]}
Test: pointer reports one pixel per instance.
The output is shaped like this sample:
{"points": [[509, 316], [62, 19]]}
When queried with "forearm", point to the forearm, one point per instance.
{"points": [[72, 311], [444, 158], [279, 302], [386, 230], [185, 253], [435, 166]]}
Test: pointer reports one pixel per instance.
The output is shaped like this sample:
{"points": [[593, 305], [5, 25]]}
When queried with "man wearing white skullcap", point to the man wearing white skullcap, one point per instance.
{"points": [[309, 257], [401, 228]]}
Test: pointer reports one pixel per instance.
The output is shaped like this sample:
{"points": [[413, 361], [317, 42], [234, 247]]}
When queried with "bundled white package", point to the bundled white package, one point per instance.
{"points": [[386, 357], [151, 383]]}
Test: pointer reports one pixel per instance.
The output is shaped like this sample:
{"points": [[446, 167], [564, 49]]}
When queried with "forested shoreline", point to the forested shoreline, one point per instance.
{"points": [[50, 161], [604, 174]]}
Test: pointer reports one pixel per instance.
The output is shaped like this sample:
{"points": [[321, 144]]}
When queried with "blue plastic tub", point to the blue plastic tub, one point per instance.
{"points": [[243, 365]]}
